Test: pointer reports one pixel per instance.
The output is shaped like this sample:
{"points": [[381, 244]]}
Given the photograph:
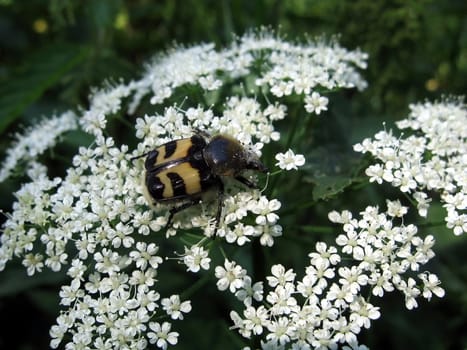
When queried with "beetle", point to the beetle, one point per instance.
{"points": [[181, 171]]}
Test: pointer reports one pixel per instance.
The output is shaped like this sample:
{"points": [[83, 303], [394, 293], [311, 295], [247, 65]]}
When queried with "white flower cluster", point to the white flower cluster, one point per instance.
{"points": [[328, 306], [431, 158], [103, 103], [301, 70], [286, 68], [35, 140], [95, 222], [112, 299], [244, 118]]}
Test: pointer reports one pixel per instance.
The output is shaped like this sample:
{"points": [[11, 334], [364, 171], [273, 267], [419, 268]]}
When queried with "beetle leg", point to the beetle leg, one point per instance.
{"points": [[175, 210], [140, 156], [203, 133], [220, 203], [245, 181]]}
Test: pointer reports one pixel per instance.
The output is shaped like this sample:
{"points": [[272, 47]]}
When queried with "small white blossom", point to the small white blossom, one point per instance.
{"points": [[315, 103], [249, 292], [431, 286], [196, 258], [145, 256], [255, 319], [265, 208], [33, 263], [280, 276], [268, 233], [161, 335], [175, 308], [289, 160], [239, 234], [230, 276]]}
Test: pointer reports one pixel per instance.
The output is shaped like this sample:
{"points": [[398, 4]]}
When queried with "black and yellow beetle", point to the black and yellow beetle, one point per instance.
{"points": [[181, 171]]}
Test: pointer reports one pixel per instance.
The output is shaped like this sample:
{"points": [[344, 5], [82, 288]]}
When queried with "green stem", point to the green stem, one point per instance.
{"points": [[195, 287], [124, 121], [410, 199], [259, 260], [223, 252], [293, 209], [432, 224], [316, 228]]}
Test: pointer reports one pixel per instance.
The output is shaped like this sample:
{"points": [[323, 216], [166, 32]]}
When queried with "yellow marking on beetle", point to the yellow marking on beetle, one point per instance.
{"points": [[191, 178], [168, 190], [146, 193], [189, 175], [181, 150]]}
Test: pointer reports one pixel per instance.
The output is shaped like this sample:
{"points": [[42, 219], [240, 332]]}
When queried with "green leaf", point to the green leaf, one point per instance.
{"points": [[14, 279], [331, 171], [43, 70], [46, 300], [328, 186]]}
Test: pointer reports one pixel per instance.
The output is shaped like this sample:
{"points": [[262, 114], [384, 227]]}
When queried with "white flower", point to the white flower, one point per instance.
{"points": [[352, 278], [281, 300], [280, 276], [456, 222], [195, 258], [363, 312], [239, 234], [324, 253], [411, 292], [255, 319], [175, 308], [267, 234], [276, 111], [431, 286], [235, 207], [33, 263], [422, 203], [265, 208], [280, 331], [248, 292], [143, 280], [289, 160], [161, 335], [316, 103], [209, 83], [107, 261], [145, 256], [230, 276], [333, 311]]}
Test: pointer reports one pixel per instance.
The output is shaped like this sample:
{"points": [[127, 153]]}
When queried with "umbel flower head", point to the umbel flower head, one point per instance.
{"points": [[95, 224], [430, 157], [325, 308]]}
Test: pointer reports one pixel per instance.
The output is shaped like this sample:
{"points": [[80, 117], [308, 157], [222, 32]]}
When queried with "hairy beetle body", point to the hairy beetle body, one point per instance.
{"points": [[182, 170]]}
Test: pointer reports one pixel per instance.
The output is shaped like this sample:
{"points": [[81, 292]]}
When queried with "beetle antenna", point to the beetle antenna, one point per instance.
{"points": [[267, 182], [138, 157]]}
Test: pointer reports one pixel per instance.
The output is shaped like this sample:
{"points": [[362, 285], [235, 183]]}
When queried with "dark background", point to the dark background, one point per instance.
{"points": [[53, 52]]}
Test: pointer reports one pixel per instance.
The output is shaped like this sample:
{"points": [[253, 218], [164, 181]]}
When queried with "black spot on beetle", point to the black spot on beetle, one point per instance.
{"points": [[170, 148], [178, 185]]}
